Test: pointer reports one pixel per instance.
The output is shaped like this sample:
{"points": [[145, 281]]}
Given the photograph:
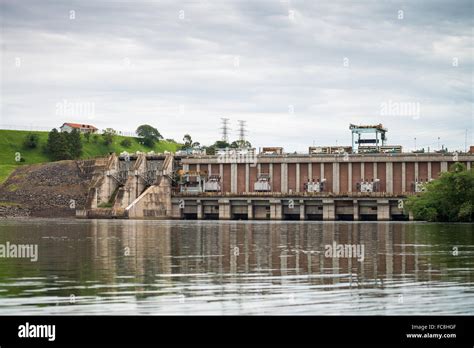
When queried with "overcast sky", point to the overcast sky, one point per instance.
{"points": [[297, 71]]}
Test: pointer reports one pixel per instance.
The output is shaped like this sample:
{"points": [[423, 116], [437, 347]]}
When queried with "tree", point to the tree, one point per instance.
{"points": [[149, 134], [87, 136], [450, 198], [74, 143], [188, 141], [31, 141], [64, 146], [219, 144], [240, 144], [57, 146], [126, 142], [108, 136]]}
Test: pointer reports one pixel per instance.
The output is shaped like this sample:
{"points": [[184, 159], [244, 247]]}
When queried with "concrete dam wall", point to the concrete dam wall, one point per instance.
{"points": [[290, 187], [132, 186]]}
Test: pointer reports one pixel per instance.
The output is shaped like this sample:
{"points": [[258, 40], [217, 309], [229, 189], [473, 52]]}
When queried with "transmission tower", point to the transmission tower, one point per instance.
{"points": [[242, 130], [225, 129]]}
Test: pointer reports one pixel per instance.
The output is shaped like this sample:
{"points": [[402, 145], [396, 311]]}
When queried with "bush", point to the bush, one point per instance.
{"points": [[450, 198], [465, 211], [31, 141], [57, 146], [64, 146], [108, 136], [126, 143]]}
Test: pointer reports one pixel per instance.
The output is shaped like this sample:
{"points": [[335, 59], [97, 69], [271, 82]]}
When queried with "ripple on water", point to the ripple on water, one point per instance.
{"points": [[278, 268]]}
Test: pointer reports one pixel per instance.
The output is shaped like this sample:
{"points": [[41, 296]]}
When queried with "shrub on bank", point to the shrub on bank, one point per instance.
{"points": [[31, 141], [450, 198]]}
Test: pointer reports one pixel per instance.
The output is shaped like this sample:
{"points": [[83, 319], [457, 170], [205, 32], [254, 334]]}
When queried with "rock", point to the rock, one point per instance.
{"points": [[46, 189]]}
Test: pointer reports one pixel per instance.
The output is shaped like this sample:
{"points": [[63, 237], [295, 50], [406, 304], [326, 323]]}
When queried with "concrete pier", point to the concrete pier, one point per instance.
{"points": [[224, 209], [383, 210], [329, 209], [288, 208], [355, 210], [275, 209]]}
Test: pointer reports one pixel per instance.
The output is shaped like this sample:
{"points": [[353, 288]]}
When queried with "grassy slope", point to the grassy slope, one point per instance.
{"points": [[11, 142]]}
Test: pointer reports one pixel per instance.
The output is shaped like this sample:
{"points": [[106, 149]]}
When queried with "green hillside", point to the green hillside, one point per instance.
{"points": [[11, 142]]}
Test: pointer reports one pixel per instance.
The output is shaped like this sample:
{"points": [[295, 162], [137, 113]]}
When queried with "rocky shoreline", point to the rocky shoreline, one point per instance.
{"points": [[13, 212], [54, 189]]}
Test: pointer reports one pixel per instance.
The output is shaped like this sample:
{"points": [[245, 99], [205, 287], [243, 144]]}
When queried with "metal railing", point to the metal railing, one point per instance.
{"points": [[297, 194]]}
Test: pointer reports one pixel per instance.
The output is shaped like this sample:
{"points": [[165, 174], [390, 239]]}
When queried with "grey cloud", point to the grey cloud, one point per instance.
{"points": [[138, 62]]}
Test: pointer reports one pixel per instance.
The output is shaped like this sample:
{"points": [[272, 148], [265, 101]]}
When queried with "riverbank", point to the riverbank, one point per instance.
{"points": [[53, 189]]}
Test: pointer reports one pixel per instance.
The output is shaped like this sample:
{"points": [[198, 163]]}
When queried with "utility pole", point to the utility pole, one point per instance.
{"points": [[465, 142]]}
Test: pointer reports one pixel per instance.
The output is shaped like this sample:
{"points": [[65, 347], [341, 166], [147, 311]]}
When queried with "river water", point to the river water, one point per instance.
{"points": [[230, 267]]}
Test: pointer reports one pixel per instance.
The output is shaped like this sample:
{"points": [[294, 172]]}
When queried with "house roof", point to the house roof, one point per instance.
{"points": [[78, 125]]}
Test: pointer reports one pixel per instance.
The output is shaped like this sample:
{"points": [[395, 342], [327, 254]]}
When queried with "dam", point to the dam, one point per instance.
{"points": [[370, 183]]}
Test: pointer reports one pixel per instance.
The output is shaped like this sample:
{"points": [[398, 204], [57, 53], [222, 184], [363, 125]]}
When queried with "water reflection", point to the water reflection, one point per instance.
{"points": [[202, 267]]}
